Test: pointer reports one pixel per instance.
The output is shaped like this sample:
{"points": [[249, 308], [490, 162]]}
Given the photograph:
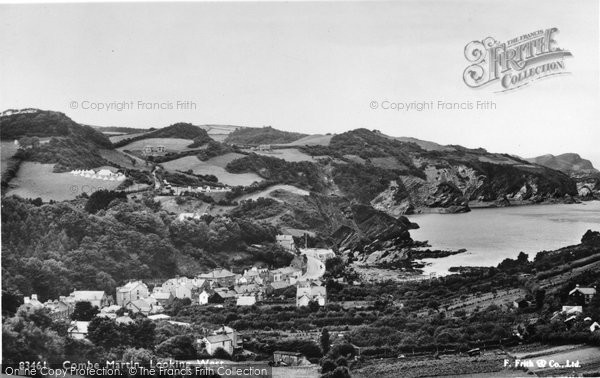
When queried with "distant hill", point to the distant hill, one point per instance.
{"points": [[120, 129], [66, 143], [263, 135], [424, 144], [178, 130], [399, 175], [43, 124], [568, 163]]}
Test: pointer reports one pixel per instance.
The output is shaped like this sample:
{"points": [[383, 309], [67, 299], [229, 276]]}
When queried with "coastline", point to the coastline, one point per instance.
{"points": [[478, 205]]}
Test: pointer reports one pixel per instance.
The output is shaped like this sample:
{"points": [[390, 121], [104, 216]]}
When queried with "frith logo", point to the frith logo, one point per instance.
{"points": [[515, 63]]}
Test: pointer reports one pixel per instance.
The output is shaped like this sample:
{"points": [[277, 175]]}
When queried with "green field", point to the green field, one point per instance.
{"points": [[223, 160], [311, 140], [123, 159], [171, 144], [267, 193], [287, 154], [37, 180], [120, 137], [7, 150], [208, 168]]}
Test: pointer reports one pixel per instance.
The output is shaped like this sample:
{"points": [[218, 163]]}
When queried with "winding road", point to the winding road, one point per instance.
{"points": [[315, 268]]}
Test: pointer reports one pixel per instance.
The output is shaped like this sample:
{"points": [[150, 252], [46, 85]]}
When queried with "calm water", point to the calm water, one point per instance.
{"points": [[491, 235]]}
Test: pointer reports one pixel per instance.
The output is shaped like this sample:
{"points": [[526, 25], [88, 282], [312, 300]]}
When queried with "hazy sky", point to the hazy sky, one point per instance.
{"points": [[309, 67]]}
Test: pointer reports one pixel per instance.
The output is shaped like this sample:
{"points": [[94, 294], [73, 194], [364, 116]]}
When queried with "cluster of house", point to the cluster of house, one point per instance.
{"points": [[154, 150], [261, 147], [206, 189], [180, 190], [582, 296], [102, 174], [63, 307]]}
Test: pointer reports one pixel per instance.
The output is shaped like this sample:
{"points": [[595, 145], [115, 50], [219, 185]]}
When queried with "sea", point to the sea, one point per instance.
{"points": [[492, 235]]}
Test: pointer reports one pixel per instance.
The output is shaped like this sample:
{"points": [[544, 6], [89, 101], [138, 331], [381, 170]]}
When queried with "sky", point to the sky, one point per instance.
{"points": [[308, 67]]}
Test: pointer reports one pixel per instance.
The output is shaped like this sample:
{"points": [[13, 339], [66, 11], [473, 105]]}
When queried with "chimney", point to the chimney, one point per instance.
{"points": [[34, 297], [577, 286], [26, 300]]}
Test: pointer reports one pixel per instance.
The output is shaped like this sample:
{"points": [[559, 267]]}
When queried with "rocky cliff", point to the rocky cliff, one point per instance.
{"points": [[404, 176], [581, 170]]}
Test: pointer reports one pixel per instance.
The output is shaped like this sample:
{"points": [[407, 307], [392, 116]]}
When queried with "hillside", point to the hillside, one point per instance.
{"points": [[567, 163], [44, 124], [51, 249], [400, 176], [177, 131], [53, 138], [581, 170], [119, 130], [264, 135]]}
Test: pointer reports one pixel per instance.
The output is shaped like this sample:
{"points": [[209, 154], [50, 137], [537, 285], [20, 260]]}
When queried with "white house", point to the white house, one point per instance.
{"points": [[31, 303], [286, 241], [306, 294], [144, 306], [586, 293], [212, 343], [131, 291], [572, 309], [203, 297], [97, 298], [246, 300]]}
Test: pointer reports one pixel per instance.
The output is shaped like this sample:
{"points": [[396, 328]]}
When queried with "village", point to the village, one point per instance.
{"points": [[217, 288]]}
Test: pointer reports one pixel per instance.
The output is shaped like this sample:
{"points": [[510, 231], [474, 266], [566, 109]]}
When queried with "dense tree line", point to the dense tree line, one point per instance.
{"points": [[302, 174], [54, 248], [264, 135]]}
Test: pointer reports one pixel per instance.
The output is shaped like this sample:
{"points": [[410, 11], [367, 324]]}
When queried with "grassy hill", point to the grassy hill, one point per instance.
{"points": [[66, 143], [178, 131], [264, 135], [43, 124], [567, 163]]}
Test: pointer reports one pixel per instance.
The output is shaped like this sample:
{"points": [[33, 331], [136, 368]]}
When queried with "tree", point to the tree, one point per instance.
{"points": [[327, 366], [140, 355], [222, 354], [84, 311], [178, 347], [143, 333], [433, 304], [313, 306], [339, 372], [540, 295], [104, 333], [325, 340], [27, 337], [100, 200]]}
